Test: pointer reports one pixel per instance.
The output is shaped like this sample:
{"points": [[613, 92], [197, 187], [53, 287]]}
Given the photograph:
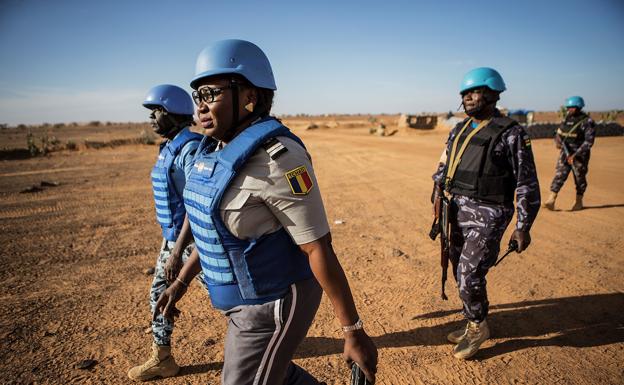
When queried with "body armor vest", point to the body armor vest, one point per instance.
{"points": [[237, 271], [571, 130], [480, 174], [169, 206]]}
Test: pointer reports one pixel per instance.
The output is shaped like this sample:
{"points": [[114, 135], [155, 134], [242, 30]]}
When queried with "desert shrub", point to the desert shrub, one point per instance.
{"points": [[147, 137], [94, 123], [45, 144], [33, 149], [22, 126], [48, 144]]}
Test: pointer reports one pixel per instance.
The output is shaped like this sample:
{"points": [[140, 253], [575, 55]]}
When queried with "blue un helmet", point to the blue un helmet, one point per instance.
{"points": [[235, 56], [575, 101], [172, 98], [482, 77]]}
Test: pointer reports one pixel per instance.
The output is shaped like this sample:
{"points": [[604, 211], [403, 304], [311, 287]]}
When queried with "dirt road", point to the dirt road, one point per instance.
{"points": [[73, 286]]}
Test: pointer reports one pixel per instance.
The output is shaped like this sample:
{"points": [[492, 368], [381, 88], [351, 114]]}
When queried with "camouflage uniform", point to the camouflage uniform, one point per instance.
{"points": [[477, 226], [162, 328], [580, 146]]}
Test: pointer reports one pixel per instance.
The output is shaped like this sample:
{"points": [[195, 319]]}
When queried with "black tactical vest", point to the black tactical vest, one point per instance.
{"points": [[480, 174], [572, 131]]}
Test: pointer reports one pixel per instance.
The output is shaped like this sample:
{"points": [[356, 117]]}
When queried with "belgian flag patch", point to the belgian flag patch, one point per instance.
{"points": [[299, 181]]}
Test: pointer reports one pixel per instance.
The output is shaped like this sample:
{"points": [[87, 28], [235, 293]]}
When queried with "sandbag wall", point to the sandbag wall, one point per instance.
{"points": [[547, 130]]}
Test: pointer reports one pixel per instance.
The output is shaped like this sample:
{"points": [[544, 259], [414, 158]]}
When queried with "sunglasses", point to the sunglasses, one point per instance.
{"points": [[207, 94]]}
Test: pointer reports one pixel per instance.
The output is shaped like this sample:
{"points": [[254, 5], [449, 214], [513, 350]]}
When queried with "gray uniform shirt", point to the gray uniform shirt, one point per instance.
{"points": [[260, 200]]}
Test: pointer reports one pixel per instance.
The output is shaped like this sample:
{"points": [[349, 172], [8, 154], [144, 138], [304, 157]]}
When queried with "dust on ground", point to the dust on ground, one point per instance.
{"points": [[74, 287]]}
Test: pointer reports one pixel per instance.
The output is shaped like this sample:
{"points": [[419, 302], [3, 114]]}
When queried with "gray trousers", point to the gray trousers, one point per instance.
{"points": [[562, 170], [261, 340], [476, 232], [162, 328]]}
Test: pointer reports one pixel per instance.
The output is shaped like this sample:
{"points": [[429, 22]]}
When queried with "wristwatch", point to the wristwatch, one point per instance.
{"points": [[356, 326]]}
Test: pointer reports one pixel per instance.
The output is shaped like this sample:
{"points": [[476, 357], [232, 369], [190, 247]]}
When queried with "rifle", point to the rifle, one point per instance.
{"points": [[357, 376], [566, 151], [440, 226]]}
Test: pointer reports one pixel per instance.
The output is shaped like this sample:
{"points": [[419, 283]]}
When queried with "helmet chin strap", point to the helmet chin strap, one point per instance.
{"points": [[231, 132]]}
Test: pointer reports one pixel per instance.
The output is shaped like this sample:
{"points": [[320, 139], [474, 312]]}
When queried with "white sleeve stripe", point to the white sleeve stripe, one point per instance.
{"points": [[275, 148]]}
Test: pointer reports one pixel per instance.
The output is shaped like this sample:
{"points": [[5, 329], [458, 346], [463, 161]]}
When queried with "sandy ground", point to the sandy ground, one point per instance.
{"points": [[73, 286]]}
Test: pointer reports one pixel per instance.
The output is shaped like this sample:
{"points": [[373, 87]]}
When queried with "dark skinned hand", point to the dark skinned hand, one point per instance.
{"points": [[360, 349], [172, 268], [167, 301], [523, 238], [570, 159]]}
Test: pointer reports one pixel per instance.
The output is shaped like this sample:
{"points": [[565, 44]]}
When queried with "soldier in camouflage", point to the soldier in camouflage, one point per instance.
{"points": [[487, 160], [171, 114], [574, 138]]}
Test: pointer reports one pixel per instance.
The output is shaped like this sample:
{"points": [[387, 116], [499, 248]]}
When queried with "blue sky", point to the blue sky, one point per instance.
{"points": [[81, 60]]}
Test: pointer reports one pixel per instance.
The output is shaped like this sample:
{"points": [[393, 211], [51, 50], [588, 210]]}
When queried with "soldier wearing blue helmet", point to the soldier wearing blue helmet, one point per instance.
{"points": [[257, 217], [575, 138], [487, 161], [171, 115]]}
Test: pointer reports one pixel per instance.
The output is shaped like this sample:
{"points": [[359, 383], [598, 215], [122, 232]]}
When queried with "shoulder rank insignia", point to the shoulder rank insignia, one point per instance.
{"points": [[275, 148], [299, 180]]}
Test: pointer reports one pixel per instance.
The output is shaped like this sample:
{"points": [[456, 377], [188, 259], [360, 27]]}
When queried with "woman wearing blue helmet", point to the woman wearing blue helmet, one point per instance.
{"points": [[262, 237], [487, 161]]}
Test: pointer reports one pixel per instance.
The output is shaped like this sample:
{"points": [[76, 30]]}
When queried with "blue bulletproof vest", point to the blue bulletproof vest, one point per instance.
{"points": [[169, 205], [238, 272]]}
